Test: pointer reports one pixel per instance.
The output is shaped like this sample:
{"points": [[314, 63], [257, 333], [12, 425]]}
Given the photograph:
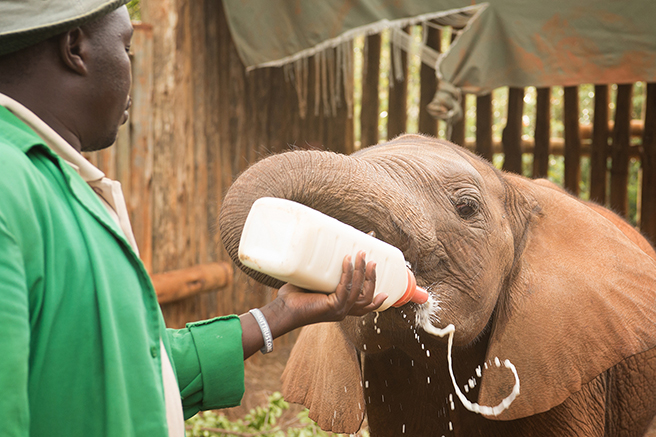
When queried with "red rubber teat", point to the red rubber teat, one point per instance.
{"points": [[412, 293], [420, 296]]}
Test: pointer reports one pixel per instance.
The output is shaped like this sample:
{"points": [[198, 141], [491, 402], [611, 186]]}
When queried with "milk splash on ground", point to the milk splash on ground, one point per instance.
{"points": [[424, 315]]}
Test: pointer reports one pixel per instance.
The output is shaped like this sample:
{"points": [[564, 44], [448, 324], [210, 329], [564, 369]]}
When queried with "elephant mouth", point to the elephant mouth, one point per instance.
{"points": [[427, 315]]}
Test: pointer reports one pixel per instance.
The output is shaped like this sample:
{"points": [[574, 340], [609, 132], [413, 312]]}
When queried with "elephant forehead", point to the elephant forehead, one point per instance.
{"points": [[435, 157]]}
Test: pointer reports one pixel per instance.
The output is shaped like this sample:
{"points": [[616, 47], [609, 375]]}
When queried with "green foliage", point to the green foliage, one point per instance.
{"points": [[134, 8], [260, 421]]}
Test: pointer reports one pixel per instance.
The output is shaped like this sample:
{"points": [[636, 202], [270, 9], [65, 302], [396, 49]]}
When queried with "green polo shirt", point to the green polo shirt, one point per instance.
{"points": [[80, 326]]}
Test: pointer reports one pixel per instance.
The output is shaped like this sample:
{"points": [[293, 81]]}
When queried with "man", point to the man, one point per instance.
{"points": [[84, 348]]}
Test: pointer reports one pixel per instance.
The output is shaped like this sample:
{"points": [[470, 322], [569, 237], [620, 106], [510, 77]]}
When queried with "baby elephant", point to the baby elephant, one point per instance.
{"points": [[551, 301]]}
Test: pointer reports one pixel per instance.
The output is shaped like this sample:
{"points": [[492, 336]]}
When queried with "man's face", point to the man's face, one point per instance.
{"points": [[109, 77]]}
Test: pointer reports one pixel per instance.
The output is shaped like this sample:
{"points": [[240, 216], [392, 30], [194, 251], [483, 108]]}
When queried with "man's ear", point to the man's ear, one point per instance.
{"points": [[74, 49]]}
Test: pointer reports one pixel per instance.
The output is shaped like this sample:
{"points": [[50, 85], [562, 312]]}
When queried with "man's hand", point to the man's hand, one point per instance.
{"points": [[295, 307]]}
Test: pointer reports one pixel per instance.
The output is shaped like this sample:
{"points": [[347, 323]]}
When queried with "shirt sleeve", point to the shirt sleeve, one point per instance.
{"points": [[14, 336], [209, 363]]}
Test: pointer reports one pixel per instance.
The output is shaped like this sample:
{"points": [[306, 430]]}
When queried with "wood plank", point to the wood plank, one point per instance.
{"points": [[330, 137], [346, 109], [556, 147], [169, 110], [484, 126], [456, 132], [338, 136], [648, 212], [370, 100], [180, 214], [312, 129], [218, 42], [599, 148], [199, 221], [236, 145], [619, 172], [237, 111], [123, 161], [398, 95], [106, 161], [458, 128], [572, 140], [138, 196], [279, 121], [428, 85], [203, 306], [214, 248], [542, 133], [260, 95], [167, 120], [512, 133], [176, 285]]}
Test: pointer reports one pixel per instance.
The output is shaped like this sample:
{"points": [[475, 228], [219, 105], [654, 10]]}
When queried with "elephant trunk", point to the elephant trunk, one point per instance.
{"points": [[351, 189]]}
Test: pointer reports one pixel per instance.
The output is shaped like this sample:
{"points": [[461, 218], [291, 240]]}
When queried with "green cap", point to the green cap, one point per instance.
{"points": [[26, 22]]}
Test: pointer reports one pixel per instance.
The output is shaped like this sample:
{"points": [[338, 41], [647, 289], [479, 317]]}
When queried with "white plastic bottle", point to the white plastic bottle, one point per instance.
{"points": [[297, 244]]}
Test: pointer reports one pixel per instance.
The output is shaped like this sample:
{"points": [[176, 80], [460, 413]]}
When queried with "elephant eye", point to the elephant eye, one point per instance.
{"points": [[466, 207]]}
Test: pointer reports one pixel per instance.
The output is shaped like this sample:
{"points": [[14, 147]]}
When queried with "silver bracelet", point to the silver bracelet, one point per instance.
{"points": [[266, 331]]}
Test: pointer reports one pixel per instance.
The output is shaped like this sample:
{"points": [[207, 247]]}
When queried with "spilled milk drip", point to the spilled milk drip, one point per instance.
{"points": [[474, 407]]}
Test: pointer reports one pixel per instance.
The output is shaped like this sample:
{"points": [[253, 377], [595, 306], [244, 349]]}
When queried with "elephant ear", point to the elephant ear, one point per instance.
{"points": [[323, 374], [582, 299]]}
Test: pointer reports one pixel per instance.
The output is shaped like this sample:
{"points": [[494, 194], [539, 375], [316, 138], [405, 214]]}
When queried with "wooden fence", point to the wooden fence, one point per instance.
{"points": [[198, 120]]}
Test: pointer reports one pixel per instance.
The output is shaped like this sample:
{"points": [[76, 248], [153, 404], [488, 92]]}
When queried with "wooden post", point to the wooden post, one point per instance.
{"points": [[648, 213], [330, 137], [370, 100], [542, 133], [180, 284], [259, 98], [199, 221], [458, 128], [572, 140], [484, 146], [339, 135], [428, 84], [619, 173], [236, 98], [314, 124], [347, 114], [279, 120], [398, 95], [217, 176], [138, 195], [599, 148], [512, 133], [106, 158]]}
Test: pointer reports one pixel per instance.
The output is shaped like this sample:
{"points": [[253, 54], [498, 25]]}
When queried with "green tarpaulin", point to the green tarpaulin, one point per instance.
{"points": [[514, 43]]}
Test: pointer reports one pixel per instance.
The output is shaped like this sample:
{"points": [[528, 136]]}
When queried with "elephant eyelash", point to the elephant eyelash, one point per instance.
{"points": [[466, 207]]}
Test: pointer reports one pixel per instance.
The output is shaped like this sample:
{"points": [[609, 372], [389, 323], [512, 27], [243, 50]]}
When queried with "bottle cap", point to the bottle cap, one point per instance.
{"points": [[412, 293]]}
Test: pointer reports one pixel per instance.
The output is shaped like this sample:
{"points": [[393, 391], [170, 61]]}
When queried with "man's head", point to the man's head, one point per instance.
{"points": [[78, 80]]}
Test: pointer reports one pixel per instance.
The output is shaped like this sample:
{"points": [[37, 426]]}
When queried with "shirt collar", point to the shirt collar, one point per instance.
{"points": [[107, 190]]}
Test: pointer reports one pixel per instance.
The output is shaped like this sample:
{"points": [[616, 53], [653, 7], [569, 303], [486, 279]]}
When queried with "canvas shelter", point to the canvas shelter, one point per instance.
{"points": [[499, 43]]}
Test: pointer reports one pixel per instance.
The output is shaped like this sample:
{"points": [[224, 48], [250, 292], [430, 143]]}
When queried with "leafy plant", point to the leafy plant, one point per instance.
{"points": [[261, 421], [134, 8]]}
